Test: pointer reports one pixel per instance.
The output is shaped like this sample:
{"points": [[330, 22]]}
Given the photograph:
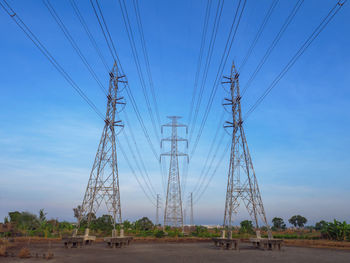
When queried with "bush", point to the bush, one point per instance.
{"points": [[159, 233], [246, 227], [336, 231]]}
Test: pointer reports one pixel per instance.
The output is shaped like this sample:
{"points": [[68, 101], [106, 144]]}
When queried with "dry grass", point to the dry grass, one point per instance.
{"points": [[24, 253]]}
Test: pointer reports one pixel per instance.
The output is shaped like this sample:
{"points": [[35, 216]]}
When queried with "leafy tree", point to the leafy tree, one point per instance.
{"points": [[246, 227], [14, 216], [297, 221], [278, 223], [320, 225], [6, 220], [144, 224], [77, 211], [42, 216], [103, 223]]}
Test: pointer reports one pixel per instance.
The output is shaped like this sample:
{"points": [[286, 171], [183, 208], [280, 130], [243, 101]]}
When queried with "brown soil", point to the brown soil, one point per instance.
{"points": [[318, 244], [178, 252]]}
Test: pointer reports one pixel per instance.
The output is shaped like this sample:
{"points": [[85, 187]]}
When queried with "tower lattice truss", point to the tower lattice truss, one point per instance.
{"points": [[242, 184], [103, 185], [173, 214]]}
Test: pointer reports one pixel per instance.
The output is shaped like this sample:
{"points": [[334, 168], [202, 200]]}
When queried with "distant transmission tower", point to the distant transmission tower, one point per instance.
{"points": [[191, 207], [242, 182], [173, 215], [103, 185], [157, 210]]}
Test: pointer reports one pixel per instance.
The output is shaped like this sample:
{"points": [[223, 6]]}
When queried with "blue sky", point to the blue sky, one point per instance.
{"points": [[298, 136]]}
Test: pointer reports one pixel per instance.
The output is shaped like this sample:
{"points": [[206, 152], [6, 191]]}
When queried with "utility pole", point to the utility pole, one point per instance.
{"points": [[242, 182], [173, 215], [103, 184], [157, 210], [191, 207]]}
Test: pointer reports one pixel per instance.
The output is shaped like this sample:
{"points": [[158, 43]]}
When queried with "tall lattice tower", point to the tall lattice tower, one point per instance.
{"points": [[242, 183], [191, 209], [103, 184], [173, 215]]}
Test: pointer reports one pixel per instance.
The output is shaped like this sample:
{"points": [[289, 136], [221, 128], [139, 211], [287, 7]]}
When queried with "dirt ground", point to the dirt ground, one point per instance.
{"points": [[179, 252]]}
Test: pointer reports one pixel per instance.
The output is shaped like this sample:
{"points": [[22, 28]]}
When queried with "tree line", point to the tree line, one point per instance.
{"points": [[25, 223]]}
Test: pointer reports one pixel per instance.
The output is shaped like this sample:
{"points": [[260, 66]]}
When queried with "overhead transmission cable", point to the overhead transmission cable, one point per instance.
{"points": [[201, 179], [224, 57], [273, 44], [258, 34], [142, 168], [111, 47], [9, 10], [222, 157], [130, 35], [90, 35], [212, 41], [297, 55], [133, 172], [211, 148], [200, 57], [303, 48], [148, 181], [73, 43], [146, 57], [290, 17]]}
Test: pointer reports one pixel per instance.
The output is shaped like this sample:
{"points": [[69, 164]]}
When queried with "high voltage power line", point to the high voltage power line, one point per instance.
{"points": [[130, 35], [273, 44], [205, 175], [258, 34], [200, 57], [212, 41], [73, 43], [224, 57], [297, 55], [59, 68], [142, 168], [15, 17], [91, 37], [111, 47], [146, 57]]}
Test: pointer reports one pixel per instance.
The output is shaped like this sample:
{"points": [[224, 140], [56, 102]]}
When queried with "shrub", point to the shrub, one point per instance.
{"points": [[336, 230], [246, 227], [159, 233]]}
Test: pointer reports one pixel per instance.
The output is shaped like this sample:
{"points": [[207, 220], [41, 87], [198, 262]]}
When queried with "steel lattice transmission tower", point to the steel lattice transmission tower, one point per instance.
{"points": [[103, 184], [191, 209], [173, 214], [242, 183], [157, 210]]}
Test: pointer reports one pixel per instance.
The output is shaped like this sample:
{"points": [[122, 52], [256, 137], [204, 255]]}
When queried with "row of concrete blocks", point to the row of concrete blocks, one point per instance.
{"points": [[261, 243], [79, 241]]}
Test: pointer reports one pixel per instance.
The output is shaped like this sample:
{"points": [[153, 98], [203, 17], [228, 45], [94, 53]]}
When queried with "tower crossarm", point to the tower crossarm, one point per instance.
{"points": [[170, 139]]}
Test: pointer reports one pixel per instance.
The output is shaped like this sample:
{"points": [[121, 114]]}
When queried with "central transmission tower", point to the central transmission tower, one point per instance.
{"points": [[191, 209], [103, 184], [173, 215], [242, 183]]}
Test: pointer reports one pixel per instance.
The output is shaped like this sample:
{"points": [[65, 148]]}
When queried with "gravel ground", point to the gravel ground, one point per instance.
{"points": [[181, 252]]}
